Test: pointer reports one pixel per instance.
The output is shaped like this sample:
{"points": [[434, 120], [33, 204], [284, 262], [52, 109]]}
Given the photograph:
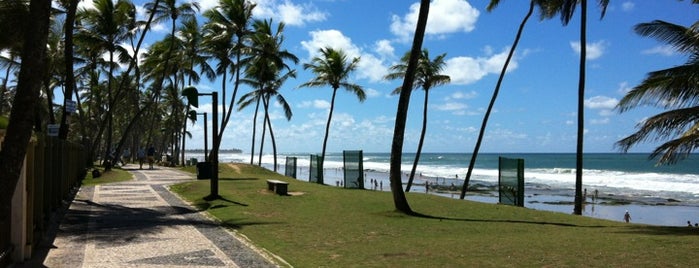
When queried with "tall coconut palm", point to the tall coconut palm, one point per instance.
{"points": [[226, 35], [104, 26], [427, 76], [567, 8], [546, 13], [332, 68], [399, 200], [191, 39], [675, 89], [266, 66]]}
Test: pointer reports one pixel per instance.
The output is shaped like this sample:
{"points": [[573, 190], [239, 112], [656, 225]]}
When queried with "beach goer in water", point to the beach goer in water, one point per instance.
{"points": [[627, 217]]}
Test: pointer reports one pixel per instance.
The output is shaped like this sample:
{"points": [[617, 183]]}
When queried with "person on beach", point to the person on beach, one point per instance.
{"points": [[141, 154], [427, 186], [627, 217]]}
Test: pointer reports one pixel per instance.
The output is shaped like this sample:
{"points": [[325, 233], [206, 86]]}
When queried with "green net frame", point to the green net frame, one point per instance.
{"points": [[315, 174], [511, 181], [353, 169], [290, 167]]}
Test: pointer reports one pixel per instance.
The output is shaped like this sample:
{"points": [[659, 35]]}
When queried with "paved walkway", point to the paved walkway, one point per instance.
{"points": [[141, 224]]}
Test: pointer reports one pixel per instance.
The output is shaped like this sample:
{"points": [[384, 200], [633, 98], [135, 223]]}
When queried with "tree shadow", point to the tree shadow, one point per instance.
{"points": [[426, 216], [660, 230]]}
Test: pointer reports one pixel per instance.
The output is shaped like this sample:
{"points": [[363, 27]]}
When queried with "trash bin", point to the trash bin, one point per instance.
{"points": [[203, 170]]}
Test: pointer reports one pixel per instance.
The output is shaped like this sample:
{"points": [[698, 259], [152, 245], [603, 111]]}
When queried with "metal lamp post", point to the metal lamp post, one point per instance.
{"points": [[192, 96]]}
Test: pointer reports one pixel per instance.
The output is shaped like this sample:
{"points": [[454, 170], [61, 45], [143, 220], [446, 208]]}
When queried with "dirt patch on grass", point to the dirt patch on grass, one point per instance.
{"points": [[235, 168]]}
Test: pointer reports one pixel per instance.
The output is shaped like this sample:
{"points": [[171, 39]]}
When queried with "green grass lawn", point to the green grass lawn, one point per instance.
{"points": [[114, 175], [332, 227]]}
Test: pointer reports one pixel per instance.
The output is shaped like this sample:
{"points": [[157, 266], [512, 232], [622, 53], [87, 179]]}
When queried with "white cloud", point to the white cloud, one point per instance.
{"points": [[458, 95], [604, 104], [467, 70], [602, 121], [627, 6], [594, 50], [370, 92], [288, 12], [601, 102], [384, 48], [664, 50], [369, 66], [318, 104], [446, 16], [624, 88]]}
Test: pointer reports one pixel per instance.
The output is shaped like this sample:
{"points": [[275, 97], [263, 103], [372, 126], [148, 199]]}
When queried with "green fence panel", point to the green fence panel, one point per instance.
{"points": [[315, 172], [290, 167], [511, 181], [353, 169]]}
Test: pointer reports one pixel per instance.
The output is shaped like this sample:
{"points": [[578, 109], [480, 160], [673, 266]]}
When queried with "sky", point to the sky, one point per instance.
{"points": [[536, 108]]}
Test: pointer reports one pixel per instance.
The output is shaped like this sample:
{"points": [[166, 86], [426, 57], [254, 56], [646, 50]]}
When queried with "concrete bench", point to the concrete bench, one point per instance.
{"points": [[278, 187]]}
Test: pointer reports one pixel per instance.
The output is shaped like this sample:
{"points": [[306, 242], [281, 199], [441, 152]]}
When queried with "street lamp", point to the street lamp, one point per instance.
{"points": [[193, 97]]}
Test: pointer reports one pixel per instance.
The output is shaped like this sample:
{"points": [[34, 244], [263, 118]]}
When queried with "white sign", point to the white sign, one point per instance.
{"points": [[70, 106], [52, 130]]}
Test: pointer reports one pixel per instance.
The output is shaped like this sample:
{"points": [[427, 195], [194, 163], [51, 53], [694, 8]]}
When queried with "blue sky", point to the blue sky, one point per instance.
{"points": [[536, 109]]}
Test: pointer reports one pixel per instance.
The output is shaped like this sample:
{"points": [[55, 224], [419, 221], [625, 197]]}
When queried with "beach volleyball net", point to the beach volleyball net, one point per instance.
{"points": [[315, 174], [290, 167], [354, 169], [511, 181]]}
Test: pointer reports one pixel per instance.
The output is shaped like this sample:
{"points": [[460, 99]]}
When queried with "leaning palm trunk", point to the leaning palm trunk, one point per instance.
{"points": [[420, 143], [254, 130], [493, 98], [271, 133], [577, 210], [325, 139], [399, 200]]}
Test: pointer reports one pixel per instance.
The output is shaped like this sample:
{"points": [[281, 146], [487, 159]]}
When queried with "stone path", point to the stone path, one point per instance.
{"points": [[141, 224]]}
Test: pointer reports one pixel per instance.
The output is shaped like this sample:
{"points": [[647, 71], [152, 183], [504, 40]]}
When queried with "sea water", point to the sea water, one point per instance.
{"points": [[549, 177]]}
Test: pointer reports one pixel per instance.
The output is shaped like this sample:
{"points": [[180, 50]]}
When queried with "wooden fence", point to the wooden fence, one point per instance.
{"points": [[52, 170]]}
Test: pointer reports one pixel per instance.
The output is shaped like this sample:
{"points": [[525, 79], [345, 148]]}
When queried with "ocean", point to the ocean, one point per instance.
{"points": [[630, 180]]}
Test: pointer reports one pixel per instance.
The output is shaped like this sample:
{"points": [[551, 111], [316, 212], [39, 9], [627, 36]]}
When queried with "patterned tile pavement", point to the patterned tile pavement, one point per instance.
{"points": [[141, 224]]}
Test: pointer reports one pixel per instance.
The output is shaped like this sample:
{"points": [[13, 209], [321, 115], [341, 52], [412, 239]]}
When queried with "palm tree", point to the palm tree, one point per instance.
{"points": [[190, 38], [545, 14], [71, 9], [675, 89], [333, 69], [567, 9], [427, 76], [228, 22], [399, 200], [104, 27], [264, 71], [19, 130]]}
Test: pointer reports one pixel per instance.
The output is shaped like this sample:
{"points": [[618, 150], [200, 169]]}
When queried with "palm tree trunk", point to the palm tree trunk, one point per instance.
{"points": [[262, 138], [271, 133], [19, 130], [477, 148], [68, 57], [325, 139], [420, 143], [577, 210], [254, 130], [399, 200]]}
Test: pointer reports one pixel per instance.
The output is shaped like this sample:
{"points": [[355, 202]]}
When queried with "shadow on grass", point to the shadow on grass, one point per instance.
{"points": [[238, 179], [660, 230], [218, 197], [421, 215]]}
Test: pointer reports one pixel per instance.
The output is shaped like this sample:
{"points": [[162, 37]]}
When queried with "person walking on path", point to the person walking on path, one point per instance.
{"points": [[627, 217], [151, 156], [141, 154]]}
